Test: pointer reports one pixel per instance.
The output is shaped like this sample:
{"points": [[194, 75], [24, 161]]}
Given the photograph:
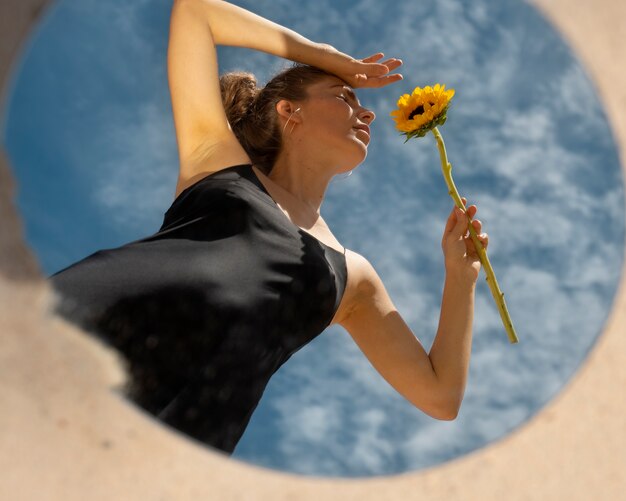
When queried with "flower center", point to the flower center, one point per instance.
{"points": [[419, 110]]}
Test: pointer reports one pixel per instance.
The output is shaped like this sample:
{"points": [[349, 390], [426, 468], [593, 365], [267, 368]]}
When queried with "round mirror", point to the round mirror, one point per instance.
{"points": [[89, 132]]}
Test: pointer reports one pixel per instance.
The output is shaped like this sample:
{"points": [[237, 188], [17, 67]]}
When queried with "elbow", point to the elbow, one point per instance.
{"points": [[448, 412], [441, 404]]}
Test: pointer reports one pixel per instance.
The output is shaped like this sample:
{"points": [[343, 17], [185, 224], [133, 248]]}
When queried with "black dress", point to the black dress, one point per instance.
{"points": [[208, 308]]}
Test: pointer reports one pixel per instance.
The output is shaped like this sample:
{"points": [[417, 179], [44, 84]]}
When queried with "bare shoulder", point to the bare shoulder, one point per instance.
{"points": [[359, 267], [363, 286]]}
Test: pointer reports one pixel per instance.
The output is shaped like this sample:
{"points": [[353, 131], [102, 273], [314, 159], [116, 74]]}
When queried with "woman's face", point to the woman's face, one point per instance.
{"points": [[333, 117]]}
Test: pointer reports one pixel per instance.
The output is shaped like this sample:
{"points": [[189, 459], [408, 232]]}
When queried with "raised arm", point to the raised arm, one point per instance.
{"points": [[196, 27], [433, 382]]}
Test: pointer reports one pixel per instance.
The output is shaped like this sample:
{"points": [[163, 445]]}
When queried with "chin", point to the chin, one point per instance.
{"points": [[353, 155], [349, 163], [362, 153]]}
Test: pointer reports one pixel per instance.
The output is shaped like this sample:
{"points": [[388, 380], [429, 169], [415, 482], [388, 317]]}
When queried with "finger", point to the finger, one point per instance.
{"points": [[460, 225], [483, 238], [451, 222], [373, 57], [370, 67], [477, 224], [377, 82], [464, 202], [374, 69], [389, 79], [392, 63]]}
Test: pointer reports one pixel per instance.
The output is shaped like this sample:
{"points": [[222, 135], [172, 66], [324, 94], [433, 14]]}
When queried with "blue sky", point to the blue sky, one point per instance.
{"points": [[89, 131]]}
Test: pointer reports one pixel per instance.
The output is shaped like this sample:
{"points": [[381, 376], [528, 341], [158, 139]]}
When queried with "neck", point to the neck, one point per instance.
{"points": [[303, 177]]}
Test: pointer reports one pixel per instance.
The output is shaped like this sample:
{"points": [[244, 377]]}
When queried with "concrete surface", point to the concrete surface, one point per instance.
{"points": [[65, 434]]}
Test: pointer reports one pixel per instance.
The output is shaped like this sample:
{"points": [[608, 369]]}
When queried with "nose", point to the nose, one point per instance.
{"points": [[367, 116]]}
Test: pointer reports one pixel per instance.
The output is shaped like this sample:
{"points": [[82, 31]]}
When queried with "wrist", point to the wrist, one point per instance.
{"points": [[328, 57], [460, 278]]}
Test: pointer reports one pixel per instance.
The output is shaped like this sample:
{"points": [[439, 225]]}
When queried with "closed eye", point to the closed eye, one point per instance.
{"points": [[349, 92]]}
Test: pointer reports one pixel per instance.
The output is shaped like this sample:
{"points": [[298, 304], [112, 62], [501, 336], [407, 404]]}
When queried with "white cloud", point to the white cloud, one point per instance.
{"points": [[373, 449], [579, 98], [315, 421], [131, 188]]}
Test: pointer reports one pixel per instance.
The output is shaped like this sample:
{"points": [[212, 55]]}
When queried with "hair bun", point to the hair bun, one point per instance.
{"points": [[251, 111], [239, 90]]}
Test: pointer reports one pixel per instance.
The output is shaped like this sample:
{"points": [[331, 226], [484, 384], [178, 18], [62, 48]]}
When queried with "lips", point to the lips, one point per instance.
{"points": [[362, 127]]}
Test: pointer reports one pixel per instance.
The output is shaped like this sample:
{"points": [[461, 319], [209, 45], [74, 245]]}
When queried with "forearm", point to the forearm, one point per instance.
{"points": [[451, 349], [234, 26]]}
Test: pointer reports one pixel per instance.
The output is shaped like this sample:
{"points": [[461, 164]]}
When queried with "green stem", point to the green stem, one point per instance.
{"points": [[497, 294]]}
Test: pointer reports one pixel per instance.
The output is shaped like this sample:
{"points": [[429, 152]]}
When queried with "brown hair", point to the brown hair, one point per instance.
{"points": [[251, 111]]}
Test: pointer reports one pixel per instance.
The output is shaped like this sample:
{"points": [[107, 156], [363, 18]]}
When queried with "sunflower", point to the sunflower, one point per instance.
{"points": [[420, 113], [423, 110]]}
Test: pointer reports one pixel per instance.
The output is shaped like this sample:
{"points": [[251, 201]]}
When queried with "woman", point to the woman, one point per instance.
{"points": [[244, 271]]}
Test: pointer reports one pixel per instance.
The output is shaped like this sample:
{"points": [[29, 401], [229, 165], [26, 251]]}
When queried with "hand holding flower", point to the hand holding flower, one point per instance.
{"points": [[419, 113], [460, 255]]}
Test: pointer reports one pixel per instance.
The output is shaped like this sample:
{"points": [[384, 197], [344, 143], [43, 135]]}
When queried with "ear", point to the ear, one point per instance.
{"points": [[287, 110]]}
